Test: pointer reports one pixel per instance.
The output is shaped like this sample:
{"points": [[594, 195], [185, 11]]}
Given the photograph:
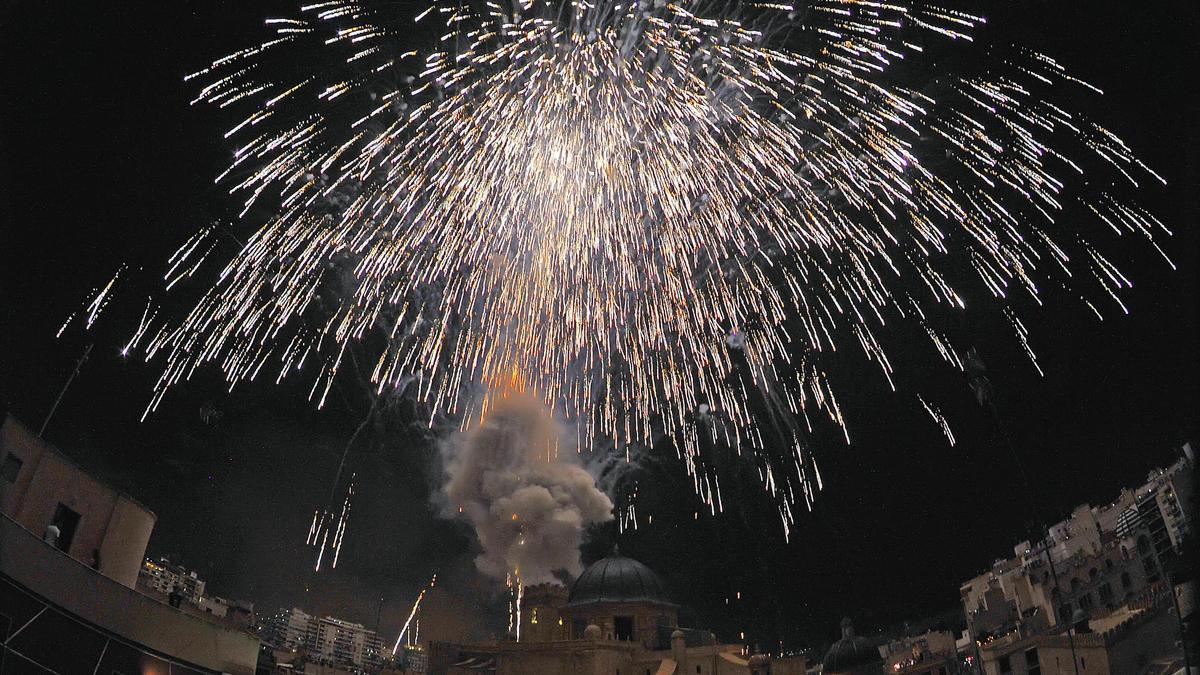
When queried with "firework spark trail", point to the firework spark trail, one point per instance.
{"points": [[516, 593], [324, 524], [416, 607], [95, 306], [605, 197]]}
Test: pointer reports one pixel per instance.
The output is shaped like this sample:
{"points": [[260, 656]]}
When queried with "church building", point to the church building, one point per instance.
{"points": [[616, 619]]}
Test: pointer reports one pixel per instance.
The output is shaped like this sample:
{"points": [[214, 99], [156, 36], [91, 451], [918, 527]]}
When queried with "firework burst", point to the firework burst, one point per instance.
{"points": [[649, 210]]}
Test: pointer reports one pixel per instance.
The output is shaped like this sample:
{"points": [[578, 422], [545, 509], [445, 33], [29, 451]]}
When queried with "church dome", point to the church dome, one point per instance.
{"points": [[851, 653], [617, 579]]}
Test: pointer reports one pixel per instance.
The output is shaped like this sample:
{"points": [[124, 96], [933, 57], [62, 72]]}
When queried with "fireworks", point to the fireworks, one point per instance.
{"points": [[324, 524], [516, 593], [413, 614], [650, 210]]}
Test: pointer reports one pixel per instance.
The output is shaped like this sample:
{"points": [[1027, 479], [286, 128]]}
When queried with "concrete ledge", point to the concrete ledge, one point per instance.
{"points": [[115, 608]]}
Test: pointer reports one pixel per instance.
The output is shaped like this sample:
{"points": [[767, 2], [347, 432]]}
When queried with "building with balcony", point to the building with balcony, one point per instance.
{"points": [[1124, 643], [1096, 560], [70, 551], [166, 578], [322, 640]]}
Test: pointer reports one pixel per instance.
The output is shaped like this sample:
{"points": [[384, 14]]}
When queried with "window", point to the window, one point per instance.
{"points": [[66, 520], [1085, 601], [1032, 665], [1106, 593], [1093, 573], [1064, 612], [623, 628], [1108, 563], [1005, 664], [578, 626], [10, 468], [1143, 545], [1126, 582]]}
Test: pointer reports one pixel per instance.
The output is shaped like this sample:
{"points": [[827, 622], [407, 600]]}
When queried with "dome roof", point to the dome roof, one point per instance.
{"points": [[617, 579], [852, 651]]}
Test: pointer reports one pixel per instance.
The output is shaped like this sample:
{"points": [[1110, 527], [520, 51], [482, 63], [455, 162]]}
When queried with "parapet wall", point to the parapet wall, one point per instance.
{"points": [[80, 591]]}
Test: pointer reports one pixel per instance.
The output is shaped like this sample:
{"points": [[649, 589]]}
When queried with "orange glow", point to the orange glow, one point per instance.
{"points": [[501, 388]]}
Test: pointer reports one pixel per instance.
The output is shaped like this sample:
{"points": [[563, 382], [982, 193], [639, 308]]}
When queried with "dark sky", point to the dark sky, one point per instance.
{"points": [[103, 161]]}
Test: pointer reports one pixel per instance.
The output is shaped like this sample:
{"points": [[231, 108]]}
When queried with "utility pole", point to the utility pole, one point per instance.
{"points": [[1166, 577], [78, 365], [378, 611], [985, 394]]}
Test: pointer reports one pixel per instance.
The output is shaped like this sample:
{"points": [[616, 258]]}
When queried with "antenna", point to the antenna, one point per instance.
{"points": [[78, 365]]}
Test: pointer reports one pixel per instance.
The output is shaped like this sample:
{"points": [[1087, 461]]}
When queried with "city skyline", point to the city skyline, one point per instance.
{"points": [[235, 478]]}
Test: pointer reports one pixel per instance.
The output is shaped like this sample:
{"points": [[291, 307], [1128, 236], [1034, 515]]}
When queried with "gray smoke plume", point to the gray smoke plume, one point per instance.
{"points": [[517, 477]]}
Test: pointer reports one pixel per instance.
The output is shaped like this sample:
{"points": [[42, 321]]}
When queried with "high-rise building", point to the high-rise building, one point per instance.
{"points": [[346, 643], [324, 640], [1157, 506]]}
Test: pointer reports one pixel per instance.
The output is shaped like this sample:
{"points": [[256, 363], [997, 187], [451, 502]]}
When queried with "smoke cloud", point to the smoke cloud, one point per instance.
{"points": [[517, 477]]}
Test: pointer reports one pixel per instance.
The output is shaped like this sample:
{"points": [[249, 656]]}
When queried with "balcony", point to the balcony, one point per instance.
{"points": [[62, 615]]}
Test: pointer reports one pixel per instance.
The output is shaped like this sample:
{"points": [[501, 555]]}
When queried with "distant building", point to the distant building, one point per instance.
{"points": [[1157, 506], [237, 612], [68, 600], [931, 653], [165, 577], [852, 655], [1103, 557], [286, 629], [175, 584], [412, 660], [322, 640], [344, 643], [615, 618], [1127, 642]]}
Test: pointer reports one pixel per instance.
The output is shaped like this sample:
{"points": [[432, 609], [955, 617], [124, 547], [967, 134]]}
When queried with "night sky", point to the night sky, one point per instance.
{"points": [[102, 161]]}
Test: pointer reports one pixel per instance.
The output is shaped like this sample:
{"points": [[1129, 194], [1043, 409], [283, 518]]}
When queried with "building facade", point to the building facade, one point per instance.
{"points": [[1127, 644], [49, 495], [68, 601], [164, 577], [933, 652], [322, 640], [1097, 560], [615, 618]]}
